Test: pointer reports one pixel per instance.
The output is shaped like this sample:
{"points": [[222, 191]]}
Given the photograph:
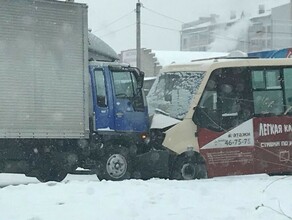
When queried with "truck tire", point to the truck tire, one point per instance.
{"points": [[116, 164], [189, 168], [50, 170], [53, 174]]}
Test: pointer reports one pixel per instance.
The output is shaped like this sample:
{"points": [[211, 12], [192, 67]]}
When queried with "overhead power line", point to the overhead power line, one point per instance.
{"points": [[116, 20], [120, 29], [157, 26], [166, 16], [127, 26]]}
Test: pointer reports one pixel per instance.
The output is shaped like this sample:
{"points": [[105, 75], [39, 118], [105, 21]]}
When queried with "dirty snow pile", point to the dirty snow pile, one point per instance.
{"points": [[225, 198]]}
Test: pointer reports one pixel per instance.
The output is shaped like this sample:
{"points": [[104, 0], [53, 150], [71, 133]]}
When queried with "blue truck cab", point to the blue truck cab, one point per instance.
{"points": [[119, 121], [118, 101]]}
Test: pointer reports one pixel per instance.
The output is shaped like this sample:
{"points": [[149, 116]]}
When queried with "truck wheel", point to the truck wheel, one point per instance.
{"points": [[116, 165], [52, 174], [50, 170], [188, 168]]}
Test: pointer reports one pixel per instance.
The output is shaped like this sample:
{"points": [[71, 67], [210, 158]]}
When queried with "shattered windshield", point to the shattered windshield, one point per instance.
{"points": [[172, 92]]}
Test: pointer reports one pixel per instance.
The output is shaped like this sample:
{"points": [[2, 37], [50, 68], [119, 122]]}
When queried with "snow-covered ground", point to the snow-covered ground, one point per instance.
{"points": [[86, 198]]}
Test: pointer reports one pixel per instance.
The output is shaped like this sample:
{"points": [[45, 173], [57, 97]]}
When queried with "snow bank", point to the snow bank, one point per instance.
{"points": [[218, 198]]}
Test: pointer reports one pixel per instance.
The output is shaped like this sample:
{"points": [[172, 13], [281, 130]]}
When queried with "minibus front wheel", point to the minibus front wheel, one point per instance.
{"points": [[188, 167]]}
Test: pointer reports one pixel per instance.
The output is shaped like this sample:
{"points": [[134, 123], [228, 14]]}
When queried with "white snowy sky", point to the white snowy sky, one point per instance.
{"points": [[114, 21]]}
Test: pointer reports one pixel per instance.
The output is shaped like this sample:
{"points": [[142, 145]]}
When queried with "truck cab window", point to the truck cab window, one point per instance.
{"points": [[100, 88], [125, 84], [126, 87]]}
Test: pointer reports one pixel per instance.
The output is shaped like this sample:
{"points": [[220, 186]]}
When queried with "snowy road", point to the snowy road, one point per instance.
{"points": [[21, 179], [81, 197]]}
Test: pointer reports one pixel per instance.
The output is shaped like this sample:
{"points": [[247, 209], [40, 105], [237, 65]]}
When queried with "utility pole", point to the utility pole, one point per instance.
{"points": [[138, 34], [290, 21]]}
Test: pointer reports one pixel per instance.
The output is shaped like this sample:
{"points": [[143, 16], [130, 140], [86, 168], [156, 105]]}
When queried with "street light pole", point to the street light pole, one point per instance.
{"points": [[138, 34]]}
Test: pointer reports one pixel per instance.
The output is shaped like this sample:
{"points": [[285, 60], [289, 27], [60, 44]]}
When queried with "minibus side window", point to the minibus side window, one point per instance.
{"points": [[288, 90], [226, 100], [267, 92]]}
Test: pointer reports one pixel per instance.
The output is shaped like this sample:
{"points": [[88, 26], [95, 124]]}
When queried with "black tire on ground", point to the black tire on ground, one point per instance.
{"points": [[116, 164], [189, 168], [50, 170], [54, 174]]}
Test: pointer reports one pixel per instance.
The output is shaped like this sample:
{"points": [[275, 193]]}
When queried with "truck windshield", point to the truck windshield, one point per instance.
{"points": [[173, 91]]}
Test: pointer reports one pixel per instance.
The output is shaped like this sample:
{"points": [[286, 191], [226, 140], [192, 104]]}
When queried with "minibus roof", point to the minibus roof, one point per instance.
{"points": [[208, 64]]}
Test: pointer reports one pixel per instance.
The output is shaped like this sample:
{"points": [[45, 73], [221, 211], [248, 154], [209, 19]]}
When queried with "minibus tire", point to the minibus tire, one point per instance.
{"points": [[189, 168]]}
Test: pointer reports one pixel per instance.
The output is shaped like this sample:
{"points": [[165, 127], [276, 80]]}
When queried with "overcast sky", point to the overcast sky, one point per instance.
{"points": [[114, 21]]}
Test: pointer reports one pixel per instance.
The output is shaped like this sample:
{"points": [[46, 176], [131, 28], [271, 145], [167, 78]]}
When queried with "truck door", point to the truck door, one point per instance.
{"points": [[130, 111], [101, 100]]}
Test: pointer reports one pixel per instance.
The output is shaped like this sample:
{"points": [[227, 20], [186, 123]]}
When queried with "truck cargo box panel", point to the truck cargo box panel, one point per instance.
{"points": [[43, 69]]}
